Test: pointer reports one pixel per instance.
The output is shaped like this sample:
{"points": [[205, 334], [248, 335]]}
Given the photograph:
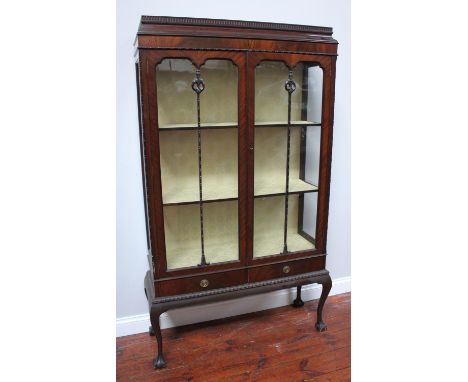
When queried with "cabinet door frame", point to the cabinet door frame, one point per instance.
{"points": [[328, 65], [148, 60]]}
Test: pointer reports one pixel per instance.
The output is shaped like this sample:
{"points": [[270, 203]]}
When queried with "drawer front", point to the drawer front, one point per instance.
{"points": [[201, 283], [289, 268]]}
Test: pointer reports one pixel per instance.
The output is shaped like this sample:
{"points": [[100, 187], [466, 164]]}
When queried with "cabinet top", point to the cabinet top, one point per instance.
{"points": [[220, 23], [232, 29]]}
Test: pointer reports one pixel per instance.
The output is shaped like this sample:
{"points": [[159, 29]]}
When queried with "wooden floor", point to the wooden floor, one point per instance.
{"points": [[273, 345]]}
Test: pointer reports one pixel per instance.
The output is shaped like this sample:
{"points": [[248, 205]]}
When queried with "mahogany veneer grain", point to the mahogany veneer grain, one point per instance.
{"points": [[192, 284], [289, 268]]}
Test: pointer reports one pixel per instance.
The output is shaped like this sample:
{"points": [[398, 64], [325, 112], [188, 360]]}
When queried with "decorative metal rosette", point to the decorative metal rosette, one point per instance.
{"points": [[198, 85], [290, 85]]}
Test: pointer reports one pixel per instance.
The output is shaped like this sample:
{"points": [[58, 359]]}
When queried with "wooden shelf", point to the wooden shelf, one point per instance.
{"points": [[277, 186], [285, 123], [215, 189], [234, 125], [194, 126]]}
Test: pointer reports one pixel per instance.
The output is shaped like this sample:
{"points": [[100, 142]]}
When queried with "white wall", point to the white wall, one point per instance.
{"points": [[131, 242]]}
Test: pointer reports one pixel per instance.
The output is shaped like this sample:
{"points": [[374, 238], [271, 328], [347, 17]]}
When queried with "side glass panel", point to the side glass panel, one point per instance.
{"points": [[198, 135], [288, 107]]}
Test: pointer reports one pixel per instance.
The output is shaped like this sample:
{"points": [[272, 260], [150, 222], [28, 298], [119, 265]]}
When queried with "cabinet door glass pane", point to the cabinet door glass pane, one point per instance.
{"points": [[288, 107], [198, 135]]}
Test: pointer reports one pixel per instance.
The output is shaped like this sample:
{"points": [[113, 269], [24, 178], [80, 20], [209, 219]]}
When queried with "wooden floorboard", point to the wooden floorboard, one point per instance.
{"points": [[272, 345]]}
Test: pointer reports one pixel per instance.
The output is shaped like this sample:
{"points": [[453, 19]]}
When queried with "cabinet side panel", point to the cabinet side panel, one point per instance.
{"points": [[151, 147], [142, 157], [328, 102]]}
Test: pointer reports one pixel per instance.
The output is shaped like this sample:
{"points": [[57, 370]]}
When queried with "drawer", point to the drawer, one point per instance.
{"points": [[285, 269], [201, 283]]}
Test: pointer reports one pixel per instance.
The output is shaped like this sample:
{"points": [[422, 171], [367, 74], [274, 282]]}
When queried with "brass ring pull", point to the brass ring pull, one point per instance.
{"points": [[286, 269], [204, 283]]}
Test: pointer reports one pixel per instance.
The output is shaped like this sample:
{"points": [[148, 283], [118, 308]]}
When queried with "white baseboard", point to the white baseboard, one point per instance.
{"points": [[198, 313]]}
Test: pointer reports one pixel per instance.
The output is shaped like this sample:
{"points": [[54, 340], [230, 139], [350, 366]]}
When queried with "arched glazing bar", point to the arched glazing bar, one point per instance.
{"points": [[198, 85], [290, 87]]}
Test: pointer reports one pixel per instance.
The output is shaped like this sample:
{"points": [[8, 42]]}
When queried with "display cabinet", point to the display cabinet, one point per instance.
{"points": [[236, 125]]}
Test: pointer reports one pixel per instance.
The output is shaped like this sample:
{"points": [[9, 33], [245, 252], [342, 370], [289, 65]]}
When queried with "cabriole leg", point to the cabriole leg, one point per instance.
{"points": [[326, 286], [298, 302], [159, 361]]}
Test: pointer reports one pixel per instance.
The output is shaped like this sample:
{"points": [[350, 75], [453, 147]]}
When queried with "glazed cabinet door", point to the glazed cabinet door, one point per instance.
{"points": [[290, 131], [194, 125]]}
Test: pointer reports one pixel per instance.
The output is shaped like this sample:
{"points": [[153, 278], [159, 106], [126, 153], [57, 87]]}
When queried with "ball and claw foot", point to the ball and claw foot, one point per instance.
{"points": [[297, 303], [159, 362], [151, 331], [321, 326]]}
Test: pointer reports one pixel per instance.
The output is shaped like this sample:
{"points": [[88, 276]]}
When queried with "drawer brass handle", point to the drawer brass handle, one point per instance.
{"points": [[286, 269], [204, 283]]}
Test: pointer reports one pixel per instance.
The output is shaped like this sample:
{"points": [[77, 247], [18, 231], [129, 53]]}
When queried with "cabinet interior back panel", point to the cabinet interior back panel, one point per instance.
{"points": [[270, 161], [271, 99], [183, 239], [269, 226], [179, 165], [177, 101]]}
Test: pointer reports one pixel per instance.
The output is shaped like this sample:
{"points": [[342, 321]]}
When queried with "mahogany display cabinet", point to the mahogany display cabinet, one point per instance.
{"points": [[236, 123]]}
